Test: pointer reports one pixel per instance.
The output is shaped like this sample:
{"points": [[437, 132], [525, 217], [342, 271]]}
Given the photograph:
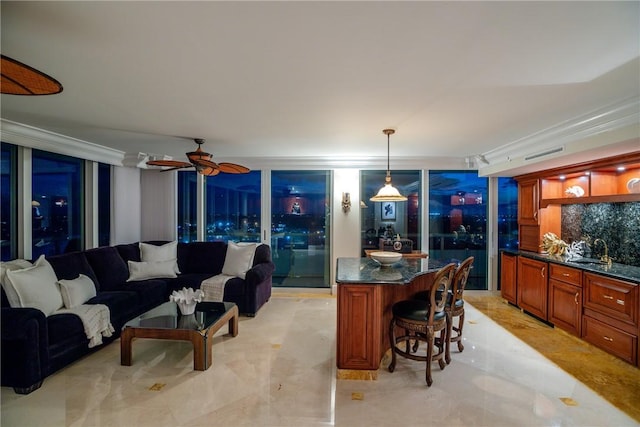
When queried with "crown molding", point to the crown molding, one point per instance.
{"points": [[608, 125], [32, 137]]}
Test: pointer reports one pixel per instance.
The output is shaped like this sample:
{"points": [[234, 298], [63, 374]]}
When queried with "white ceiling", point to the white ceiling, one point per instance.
{"points": [[321, 79]]}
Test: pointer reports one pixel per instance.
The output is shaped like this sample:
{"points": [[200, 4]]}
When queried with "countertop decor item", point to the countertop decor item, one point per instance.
{"points": [[554, 245], [633, 185], [386, 258], [187, 299], [575, 190]]}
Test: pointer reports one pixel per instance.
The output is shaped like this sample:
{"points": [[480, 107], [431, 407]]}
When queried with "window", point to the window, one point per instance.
{"points": [[187, 206], [57, 203], [8, 195], [300, 228], [507, 213], [388, 219], [458, 221], [233, 207]]}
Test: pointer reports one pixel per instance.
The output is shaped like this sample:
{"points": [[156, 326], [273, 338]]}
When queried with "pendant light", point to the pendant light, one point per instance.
{"points": [[388, 193]]}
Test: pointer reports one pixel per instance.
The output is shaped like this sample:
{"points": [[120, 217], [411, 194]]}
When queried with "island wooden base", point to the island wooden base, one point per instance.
{"points": [[364, 314]]}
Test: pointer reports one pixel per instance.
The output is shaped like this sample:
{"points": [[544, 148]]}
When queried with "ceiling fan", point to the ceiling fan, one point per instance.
{"points": [[201, 160]]}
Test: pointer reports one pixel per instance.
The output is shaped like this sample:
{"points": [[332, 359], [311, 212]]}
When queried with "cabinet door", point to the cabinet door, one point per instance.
{"points": [[508, 272], [358, 321], [528, 202], [565, 306], [532, 286]]}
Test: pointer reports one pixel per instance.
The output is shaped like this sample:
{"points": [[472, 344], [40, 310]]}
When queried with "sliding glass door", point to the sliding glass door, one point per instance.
{"points": [[300, 228], [458, 220]]}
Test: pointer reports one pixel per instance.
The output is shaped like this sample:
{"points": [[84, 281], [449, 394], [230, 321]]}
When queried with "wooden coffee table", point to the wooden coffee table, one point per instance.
{"points": [[166, 323]]}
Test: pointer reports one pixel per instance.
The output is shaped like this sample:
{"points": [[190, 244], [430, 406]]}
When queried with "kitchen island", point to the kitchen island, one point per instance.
{"points": [[366, 293]]}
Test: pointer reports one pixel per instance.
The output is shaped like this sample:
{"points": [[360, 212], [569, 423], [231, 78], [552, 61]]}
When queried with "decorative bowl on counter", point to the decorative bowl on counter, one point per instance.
{"points": [[386, 258]]}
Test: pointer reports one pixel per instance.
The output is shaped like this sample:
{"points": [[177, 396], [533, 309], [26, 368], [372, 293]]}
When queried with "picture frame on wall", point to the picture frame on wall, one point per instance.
{"points": [[388, 211]]}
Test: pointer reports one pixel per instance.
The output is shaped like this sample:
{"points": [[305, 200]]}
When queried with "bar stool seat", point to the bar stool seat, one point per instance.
{"points": [[421, 320]]}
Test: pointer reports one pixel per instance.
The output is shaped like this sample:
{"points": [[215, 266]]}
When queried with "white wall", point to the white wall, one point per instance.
{"points": [[125, 220], [158, 202], [345, 226]]}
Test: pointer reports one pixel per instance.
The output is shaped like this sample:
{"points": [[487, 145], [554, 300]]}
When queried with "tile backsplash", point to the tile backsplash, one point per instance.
{"points": [[618, 224]]}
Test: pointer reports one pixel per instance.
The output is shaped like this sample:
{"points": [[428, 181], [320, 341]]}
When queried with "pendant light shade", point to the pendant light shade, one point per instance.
{"points": [[388, 193]]}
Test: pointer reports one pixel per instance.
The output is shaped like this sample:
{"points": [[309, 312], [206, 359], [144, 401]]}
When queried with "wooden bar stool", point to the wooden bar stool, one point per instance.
{"points": [[455, 306], [421, 319]]}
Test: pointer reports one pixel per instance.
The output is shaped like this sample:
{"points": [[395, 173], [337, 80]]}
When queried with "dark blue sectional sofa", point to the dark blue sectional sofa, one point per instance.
{"points": [[35, 346]]}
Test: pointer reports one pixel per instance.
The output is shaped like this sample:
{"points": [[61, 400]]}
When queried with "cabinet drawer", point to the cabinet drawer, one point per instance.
{"points": [[612, 297], [610, 339], [565, 274]]}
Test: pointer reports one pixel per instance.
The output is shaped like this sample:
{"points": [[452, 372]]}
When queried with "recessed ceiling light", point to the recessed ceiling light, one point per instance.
{"points": [[621, 168]]}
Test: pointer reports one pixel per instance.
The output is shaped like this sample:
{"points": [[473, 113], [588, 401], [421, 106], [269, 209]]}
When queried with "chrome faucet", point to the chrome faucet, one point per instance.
{"points": [[604, 258]]}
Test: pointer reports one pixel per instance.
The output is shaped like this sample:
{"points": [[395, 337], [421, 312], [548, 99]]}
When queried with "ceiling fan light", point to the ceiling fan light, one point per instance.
{"points": [[195, 156]]}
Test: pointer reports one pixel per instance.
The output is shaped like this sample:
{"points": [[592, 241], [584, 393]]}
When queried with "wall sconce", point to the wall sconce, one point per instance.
{"points": [[346, 202]]}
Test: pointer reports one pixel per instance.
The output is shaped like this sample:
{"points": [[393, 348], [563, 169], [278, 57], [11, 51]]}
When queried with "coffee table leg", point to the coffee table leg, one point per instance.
{"points": [[202, 352], [125, 347], [233, 324]]}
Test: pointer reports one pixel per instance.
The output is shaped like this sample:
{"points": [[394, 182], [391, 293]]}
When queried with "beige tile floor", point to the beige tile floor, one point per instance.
{"points": [[280, 371]]}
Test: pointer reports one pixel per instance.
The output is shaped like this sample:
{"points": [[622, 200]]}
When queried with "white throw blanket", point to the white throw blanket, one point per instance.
{"points": [[213, 287], [96, 320]]}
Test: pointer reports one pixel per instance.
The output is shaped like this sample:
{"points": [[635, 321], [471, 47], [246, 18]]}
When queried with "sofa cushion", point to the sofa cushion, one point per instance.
{"points": [[16, 264], [65, 326], [151, 270], [238, 259], [70, 265], [129, 252], [154, 253], [110, 269], [123, 305], [234, 286], [36, 287], [150, 292], [77, 291], [203, 257]]}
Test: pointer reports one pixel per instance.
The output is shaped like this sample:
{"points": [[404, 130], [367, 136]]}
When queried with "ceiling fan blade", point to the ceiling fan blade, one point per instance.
{"points": [[232, 168], [176, 167], [169, 163], [206, 167]]}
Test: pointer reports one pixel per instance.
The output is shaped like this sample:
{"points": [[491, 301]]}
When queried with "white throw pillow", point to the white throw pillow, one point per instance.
{"points": [[36, 287], [151, 270], [13, 265], [166, 252], [77, 291], [239, 259]]}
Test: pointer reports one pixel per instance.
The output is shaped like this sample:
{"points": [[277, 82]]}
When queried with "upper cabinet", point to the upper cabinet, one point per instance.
{"points": [[528, 201], [611, 180], [541, 194]]}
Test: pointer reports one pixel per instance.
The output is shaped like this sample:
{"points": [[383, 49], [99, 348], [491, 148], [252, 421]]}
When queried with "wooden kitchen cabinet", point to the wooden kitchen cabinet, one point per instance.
{"points": [[534, 222], [508, 275], [565, 298], [532, 286], [610, 318], [528, 201]]}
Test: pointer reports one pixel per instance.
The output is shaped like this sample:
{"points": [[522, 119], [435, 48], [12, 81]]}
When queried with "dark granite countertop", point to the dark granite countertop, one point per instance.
{"points": [[617, 271], [366, 270]]}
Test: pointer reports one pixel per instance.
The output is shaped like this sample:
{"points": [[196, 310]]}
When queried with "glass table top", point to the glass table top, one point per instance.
{"points": [[168, 316]]}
